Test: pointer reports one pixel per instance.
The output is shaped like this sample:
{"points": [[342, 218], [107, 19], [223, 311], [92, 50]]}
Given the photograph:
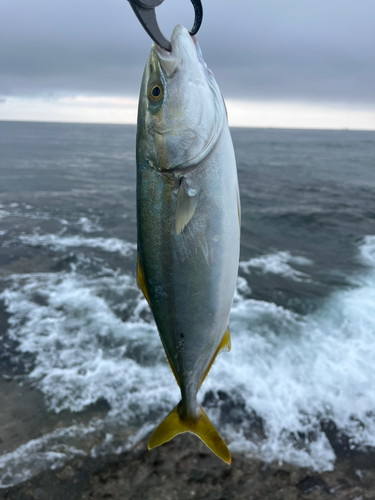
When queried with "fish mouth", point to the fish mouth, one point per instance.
{"points": [[184, 50]]}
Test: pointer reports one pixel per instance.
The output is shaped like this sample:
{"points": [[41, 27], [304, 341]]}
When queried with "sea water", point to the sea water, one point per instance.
{"points": [[299, 383]]}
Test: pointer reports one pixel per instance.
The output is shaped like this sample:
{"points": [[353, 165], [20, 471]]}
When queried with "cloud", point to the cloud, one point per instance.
{"points": [[312, 51], [278, 64]]}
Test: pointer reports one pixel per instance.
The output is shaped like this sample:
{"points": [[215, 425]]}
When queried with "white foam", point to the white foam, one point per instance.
{"points": [[27, 215], [61, 243], [242, 286], [279, 263], [79, 343], [48, 451], [367, 255], [89, 226]]}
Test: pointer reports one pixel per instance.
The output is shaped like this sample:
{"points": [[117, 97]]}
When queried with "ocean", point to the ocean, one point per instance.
{"points": [[82, 369]]}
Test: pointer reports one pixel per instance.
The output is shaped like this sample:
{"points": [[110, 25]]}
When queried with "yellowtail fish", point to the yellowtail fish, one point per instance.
{"points": [[188, 224]]}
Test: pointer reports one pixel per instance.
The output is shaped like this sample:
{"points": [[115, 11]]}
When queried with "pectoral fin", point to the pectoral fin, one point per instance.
{"points": [[187, 199], [225, 345]]}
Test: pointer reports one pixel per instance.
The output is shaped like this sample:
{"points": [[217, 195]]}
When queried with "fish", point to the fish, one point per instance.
{"points": [[188, 224]]}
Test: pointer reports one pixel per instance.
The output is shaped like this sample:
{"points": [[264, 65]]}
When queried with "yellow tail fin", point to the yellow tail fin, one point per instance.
{"points": [[173, 425]]}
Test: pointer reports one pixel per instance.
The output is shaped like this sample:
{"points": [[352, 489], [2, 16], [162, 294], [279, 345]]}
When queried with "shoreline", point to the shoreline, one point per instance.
{"points": [[184, 469]]}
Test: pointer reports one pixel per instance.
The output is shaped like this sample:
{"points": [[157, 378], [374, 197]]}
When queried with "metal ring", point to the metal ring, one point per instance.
{"points": [[198, 9], [145, 11]]}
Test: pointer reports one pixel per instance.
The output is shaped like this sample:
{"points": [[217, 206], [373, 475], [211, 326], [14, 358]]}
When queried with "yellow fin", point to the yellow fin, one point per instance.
{"points": [[225, 345], [239, 211], [141, 280], [173, 425]]}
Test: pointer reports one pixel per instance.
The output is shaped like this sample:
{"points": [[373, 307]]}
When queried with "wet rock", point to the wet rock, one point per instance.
{"points": [[337, 439], [311, 483], [183, 469], [233, 411]]}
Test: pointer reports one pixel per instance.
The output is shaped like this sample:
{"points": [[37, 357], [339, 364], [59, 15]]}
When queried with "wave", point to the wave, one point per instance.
{"points": [[61, 243], [89, 226], [299, 372], [40, 454], [279, 263], [92, 337], [3, 213], [367, 254]]}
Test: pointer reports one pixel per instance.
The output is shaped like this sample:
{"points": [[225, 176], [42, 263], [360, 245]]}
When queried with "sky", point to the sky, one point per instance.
{"points": [[279, 63]]}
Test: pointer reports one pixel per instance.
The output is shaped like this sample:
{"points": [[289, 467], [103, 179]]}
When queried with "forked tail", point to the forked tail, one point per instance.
{"points": [[174, 424]]}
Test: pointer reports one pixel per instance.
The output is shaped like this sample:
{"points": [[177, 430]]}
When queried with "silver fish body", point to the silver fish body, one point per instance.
{"points": [[188, 218]]}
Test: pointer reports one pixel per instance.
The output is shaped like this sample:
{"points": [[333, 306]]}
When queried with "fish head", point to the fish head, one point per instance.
{"points": [[181, 110]]}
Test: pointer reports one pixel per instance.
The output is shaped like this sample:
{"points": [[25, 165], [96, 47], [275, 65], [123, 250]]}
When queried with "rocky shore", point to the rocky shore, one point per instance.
{"points": [[184, 469]]}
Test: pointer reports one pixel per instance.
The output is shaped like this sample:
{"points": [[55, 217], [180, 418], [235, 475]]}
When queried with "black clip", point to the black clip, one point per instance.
{"points": [[145, 11]]}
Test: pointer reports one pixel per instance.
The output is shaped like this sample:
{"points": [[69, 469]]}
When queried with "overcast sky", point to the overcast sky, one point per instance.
{"points": [[72, 58]]}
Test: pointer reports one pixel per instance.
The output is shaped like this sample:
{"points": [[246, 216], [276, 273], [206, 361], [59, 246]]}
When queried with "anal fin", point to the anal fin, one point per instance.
{"points": [[239, 211], [141, 280], [225, 345]]}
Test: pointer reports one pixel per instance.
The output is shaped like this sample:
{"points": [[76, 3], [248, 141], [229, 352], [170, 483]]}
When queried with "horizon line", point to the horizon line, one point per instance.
{"points": [[231, 126]]}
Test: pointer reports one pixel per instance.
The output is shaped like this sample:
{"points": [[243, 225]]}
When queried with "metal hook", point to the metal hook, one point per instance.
{"points": [[145, 11]]}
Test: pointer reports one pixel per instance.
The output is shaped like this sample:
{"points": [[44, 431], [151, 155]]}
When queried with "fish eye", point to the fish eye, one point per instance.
{"points": [[155, 92]]}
